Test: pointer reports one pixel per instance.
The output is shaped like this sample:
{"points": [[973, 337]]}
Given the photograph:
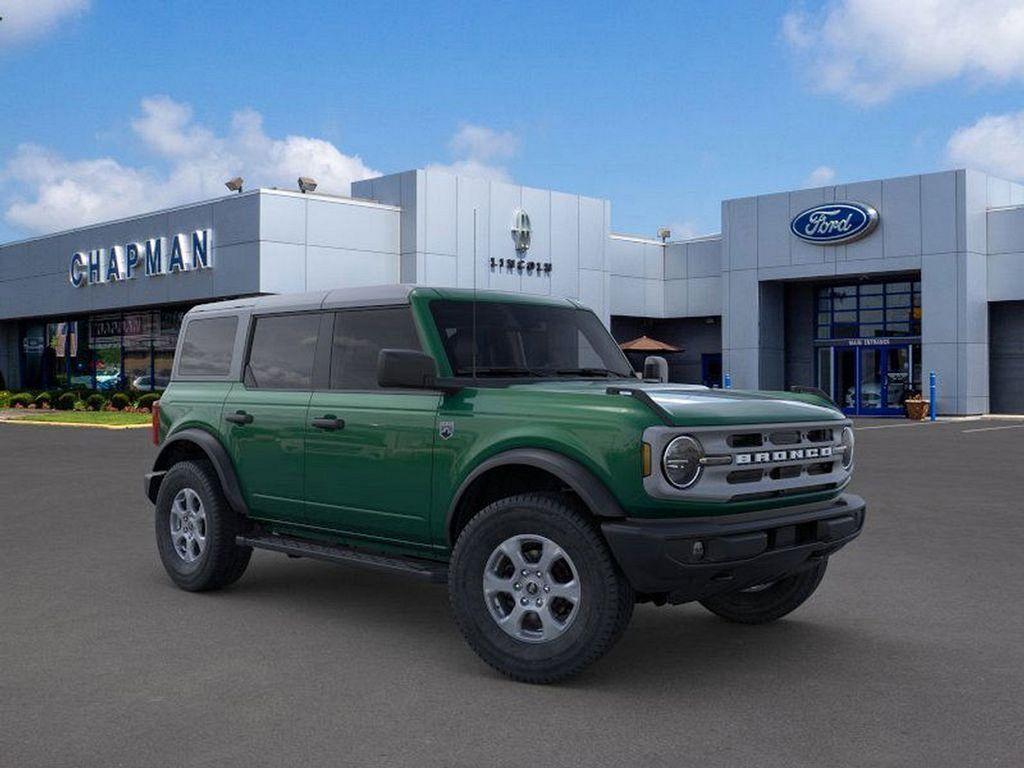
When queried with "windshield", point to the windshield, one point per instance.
{"points": [[526, 340]]}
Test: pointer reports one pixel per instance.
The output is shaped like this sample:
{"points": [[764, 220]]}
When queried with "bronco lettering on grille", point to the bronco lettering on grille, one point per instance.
{"points": [[794, 454]]}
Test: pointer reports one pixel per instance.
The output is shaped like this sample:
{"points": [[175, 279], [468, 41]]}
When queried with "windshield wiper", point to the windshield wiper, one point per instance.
{"points": [[497, 370], [590, 372]]}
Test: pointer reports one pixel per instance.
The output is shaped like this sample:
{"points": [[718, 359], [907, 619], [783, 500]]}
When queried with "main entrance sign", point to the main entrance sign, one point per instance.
{"points": [[156, 256], [834, 223]]}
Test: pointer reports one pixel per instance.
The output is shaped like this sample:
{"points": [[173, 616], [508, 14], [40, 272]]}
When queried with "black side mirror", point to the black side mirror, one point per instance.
{"points": [[410, 369]]}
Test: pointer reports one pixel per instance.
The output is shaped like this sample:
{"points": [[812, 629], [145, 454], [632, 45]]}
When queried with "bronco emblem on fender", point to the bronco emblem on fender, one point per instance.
{"points": [[446, 429]]}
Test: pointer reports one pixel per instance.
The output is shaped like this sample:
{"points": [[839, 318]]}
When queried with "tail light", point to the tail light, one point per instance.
{"points": [[155, 421]]}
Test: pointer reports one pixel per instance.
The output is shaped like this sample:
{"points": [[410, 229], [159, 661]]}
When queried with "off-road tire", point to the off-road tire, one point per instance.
{"points": [[771, 603], [222, 562], [604, 610]]}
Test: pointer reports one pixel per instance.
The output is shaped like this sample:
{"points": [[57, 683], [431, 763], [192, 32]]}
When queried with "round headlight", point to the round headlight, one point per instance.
{"points": [[847, 442], [681, 461]]}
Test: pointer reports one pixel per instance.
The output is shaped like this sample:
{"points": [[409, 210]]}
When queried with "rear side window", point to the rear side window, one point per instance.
{"points": [[360, 335], [206, 347], [282, 351]]}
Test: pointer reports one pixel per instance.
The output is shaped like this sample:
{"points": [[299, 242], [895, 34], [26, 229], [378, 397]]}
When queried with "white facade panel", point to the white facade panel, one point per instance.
{"points": [[938, 212], [901, 212], [283, 219]]}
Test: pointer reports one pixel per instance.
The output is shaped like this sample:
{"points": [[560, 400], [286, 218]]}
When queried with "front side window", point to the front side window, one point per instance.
{"points": [[206, 347], [511, 339], [282, 351], [360, 335]]}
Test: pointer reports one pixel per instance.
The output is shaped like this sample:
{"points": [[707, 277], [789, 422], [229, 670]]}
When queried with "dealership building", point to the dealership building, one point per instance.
{"points": [[860, 289]]}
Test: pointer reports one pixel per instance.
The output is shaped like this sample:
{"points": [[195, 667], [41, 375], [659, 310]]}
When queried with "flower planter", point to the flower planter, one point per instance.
{"points": [[917, 409]]}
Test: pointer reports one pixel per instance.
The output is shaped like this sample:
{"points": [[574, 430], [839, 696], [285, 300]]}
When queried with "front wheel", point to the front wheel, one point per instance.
{"points": [[535, 590], [767, 602]]}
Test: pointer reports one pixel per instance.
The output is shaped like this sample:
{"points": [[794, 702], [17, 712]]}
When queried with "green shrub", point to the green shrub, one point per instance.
{"points": [[95, 402], [147, 400], [66, 402], [120, 401], [5, 398], [43, 400], [24, 399]]}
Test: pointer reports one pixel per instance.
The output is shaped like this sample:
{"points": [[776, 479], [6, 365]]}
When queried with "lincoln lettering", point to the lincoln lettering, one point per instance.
{"points": [[182, 252]]}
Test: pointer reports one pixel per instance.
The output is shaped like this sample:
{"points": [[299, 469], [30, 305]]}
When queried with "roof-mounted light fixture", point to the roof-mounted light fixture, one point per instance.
{"points": [[306, 184], [235, 184]]}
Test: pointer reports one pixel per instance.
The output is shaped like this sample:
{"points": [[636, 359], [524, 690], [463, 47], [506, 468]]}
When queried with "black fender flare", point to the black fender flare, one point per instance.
{"points": [[591, 490], [214, 451]]}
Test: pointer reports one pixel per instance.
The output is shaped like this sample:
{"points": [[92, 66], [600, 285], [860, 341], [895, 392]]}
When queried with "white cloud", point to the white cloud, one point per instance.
{"points": [[481, 143], [479, 151], [868, 50], [25, 20], [994, 143], [820, 176], [49, 192]]}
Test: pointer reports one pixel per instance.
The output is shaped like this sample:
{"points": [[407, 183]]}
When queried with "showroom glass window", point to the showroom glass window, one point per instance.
{"points": [[106, 351], [869, 310]]}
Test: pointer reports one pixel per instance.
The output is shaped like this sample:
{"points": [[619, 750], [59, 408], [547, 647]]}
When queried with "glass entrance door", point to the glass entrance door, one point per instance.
{"points": [[870, 380]]}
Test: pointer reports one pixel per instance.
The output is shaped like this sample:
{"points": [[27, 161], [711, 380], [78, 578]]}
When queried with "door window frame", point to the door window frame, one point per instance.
{"points": [[858, 347], [328, 384], [317, 380]]}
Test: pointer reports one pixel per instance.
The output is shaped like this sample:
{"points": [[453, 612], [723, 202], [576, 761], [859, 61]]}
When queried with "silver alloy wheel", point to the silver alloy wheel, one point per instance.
{"points": [[531, 588], [188, 525]]}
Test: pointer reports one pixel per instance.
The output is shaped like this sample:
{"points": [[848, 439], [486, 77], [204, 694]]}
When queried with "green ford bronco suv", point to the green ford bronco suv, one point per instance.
{"points": [[497, 442]]}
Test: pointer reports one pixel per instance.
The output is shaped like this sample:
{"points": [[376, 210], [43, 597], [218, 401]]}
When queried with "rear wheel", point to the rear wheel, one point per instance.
{"points": [[196, 528], [535, 590], [767, 602]]}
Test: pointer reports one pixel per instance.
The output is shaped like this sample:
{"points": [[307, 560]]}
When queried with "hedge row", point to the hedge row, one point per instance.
{"points": [[78, 399]]}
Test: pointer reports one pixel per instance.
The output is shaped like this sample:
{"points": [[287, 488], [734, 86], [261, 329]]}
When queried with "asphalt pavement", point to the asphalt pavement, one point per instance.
{"points": [[911, 652]]}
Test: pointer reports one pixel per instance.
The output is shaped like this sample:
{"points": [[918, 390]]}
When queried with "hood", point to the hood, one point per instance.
{"points": [[687, 405], [684, 406]]}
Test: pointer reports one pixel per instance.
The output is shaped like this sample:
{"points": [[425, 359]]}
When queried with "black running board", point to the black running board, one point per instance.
{"points": [[294, 547]]}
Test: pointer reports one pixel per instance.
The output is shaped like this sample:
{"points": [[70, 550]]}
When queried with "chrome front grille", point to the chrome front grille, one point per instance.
{"points": [[752, 462]]}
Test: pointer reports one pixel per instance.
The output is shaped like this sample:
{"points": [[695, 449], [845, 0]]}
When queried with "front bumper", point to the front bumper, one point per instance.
{"points": [[698, 558]]}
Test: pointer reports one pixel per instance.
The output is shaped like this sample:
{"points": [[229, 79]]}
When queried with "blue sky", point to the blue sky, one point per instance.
{"points": [[108, 107]]}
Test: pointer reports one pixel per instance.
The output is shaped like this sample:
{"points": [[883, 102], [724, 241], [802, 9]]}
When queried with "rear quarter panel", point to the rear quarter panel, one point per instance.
{"points": [[186, 404]]}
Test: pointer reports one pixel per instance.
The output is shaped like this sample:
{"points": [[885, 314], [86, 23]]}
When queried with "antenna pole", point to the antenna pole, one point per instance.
{"points": [[474, 294]]}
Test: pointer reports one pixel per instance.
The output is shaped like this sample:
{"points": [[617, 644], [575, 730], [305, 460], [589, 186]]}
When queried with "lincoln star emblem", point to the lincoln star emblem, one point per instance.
{"points": [[446, 429], [521, 230]]}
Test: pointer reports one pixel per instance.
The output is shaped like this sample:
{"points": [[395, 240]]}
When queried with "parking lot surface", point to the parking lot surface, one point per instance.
{"points": [[910, 653]]}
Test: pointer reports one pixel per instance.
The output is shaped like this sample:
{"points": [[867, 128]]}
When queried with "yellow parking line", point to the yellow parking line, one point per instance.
{"points": [[75, 424]]}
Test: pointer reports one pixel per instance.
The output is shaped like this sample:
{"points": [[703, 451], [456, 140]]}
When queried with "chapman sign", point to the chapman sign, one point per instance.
{"points": [[156, 256], [834, 223]]}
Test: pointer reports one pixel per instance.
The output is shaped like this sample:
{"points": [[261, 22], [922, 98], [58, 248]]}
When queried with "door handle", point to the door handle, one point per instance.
{"points": [[328, 422], [239, 417]]}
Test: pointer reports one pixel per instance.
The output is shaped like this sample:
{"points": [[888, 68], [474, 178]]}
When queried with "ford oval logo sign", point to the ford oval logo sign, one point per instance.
{"points": [[834, 223]]}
